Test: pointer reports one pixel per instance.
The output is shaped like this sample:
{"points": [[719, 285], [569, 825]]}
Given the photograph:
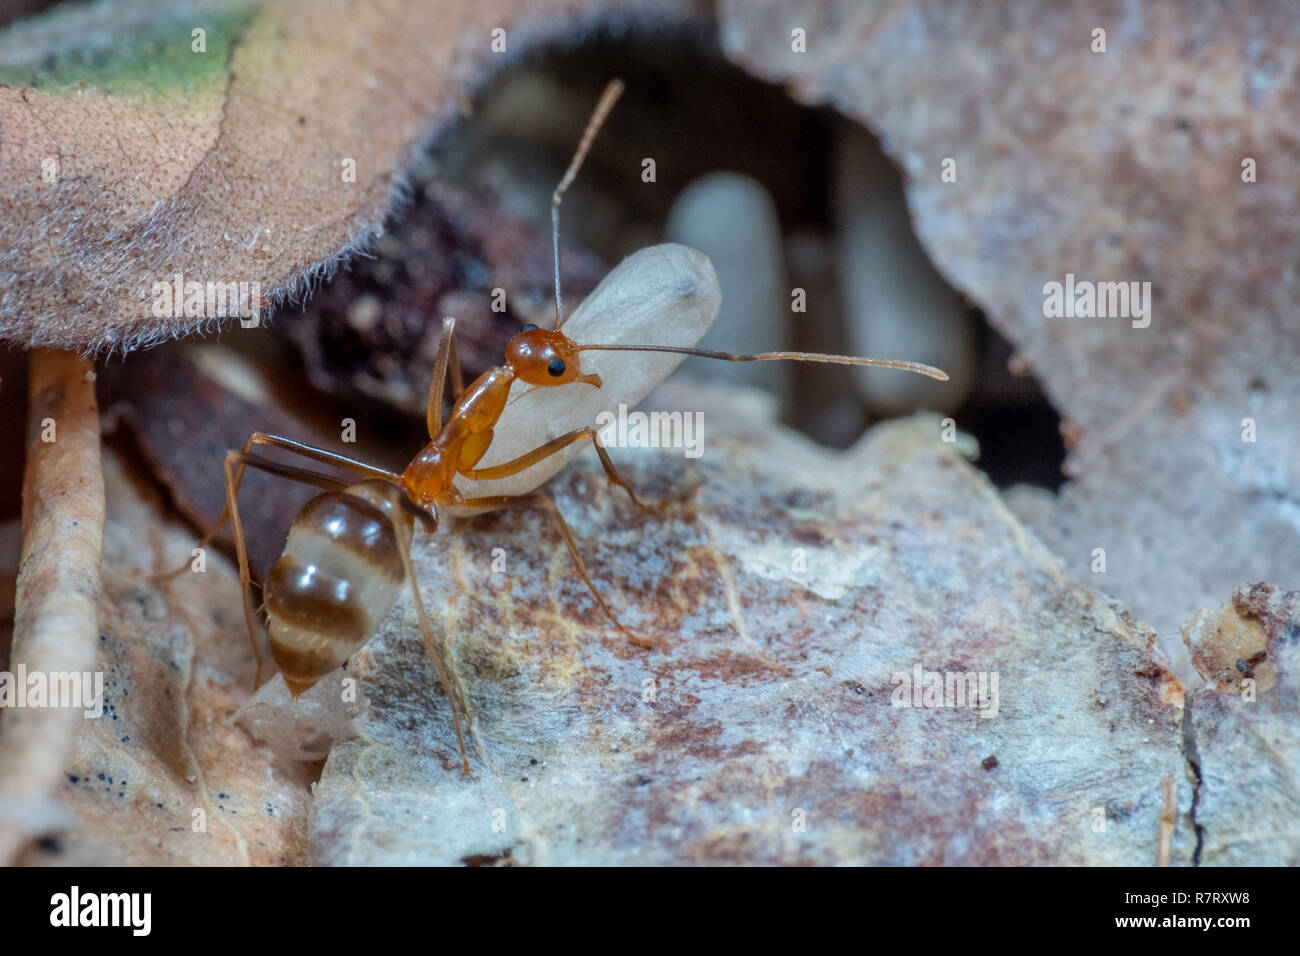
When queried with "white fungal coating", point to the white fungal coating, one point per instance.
{"points": [[661, 295]]}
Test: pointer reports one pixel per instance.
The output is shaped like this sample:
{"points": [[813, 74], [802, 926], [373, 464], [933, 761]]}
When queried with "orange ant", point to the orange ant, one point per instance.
{"points": [[348, 551]]}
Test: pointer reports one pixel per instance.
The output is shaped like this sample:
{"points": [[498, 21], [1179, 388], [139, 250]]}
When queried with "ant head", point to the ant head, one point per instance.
{"points": [[542, 357]]}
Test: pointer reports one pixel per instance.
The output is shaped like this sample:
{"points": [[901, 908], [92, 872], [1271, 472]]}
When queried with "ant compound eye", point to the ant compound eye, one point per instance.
{"points": [[528, 328], [556, 367]]}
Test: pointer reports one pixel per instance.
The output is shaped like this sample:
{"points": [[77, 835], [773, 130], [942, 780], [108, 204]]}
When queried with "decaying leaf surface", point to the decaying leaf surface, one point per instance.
{"points": [[259, 159], [1120, 166], [57, 590], [164, 776], [1246, 724], [787, 585]]}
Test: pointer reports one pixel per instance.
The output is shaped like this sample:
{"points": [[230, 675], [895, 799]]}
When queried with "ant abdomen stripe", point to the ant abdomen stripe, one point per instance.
{"points": [[340, 573], [346, 524]]}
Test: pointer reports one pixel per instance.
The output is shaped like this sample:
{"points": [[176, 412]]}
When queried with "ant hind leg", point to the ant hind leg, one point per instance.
{"points": [[233, 480], [288, 444]]}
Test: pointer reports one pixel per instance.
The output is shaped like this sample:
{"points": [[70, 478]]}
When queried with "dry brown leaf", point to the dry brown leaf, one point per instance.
{"points": [[771, 700], [55, 623], [226, 165], [1245, 724], [1184, 457], [1116, 166], [772, 695], [164, 777]]}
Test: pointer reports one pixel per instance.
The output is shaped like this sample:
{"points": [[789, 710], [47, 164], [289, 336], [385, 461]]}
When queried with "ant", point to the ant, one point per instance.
{"points": [[348, 551]]}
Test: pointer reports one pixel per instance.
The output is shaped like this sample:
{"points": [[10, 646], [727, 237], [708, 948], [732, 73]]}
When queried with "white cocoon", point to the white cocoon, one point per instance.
{"points": [[661, 295]]}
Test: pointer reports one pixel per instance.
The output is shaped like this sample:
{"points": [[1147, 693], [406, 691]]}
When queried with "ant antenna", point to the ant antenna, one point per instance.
{"points": [[917, 367], [607, 99]]}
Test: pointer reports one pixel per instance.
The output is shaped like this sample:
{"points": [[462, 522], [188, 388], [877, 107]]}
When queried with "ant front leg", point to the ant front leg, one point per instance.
{"points": [[457, 373], [555, 445], [544, 499], [447, 357]]}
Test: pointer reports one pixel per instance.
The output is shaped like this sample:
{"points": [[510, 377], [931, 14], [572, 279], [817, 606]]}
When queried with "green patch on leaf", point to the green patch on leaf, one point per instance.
{"points": [[152, 53]]}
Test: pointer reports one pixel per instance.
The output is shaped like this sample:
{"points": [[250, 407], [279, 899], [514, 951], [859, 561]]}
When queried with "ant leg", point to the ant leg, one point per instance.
{"points": [[446, 352], [233, 479], [544, 499], [455, 697], [457, 373], [322, 455], [552, 447], [298, 448]]}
